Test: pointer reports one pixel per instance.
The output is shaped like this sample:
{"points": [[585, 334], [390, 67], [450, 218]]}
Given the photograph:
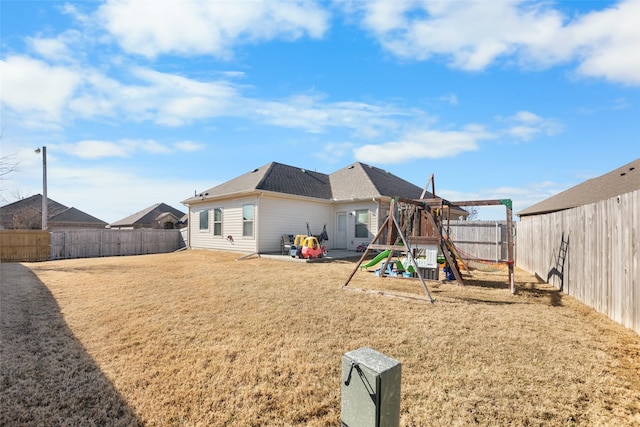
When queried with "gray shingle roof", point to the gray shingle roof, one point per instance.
{"points": [[59, 215], [34, 202], [623, 180], [148, 215], [359, 180], [73, 215], [274, 177], [356, 181]]}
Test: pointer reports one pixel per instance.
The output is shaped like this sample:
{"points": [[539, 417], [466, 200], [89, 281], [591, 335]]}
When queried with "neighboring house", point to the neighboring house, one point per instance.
{"points": [[250, 213], [27, 214], [158, 216]]}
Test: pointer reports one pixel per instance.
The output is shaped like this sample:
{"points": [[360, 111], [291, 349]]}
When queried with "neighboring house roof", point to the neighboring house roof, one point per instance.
{"points": [[75, 216], [356, 181], [619, 181], [148, 216], [34, 202], [58, 214]]}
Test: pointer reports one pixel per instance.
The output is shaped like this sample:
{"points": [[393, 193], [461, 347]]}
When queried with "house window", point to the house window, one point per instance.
{"points": [[204, 219], [362, 223], [217, 222], [247, 220]]}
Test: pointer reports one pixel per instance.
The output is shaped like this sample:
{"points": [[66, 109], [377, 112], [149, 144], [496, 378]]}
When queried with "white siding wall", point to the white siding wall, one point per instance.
{"points": [[280, 215], [275, 216], [352, 241], [231, 226]]}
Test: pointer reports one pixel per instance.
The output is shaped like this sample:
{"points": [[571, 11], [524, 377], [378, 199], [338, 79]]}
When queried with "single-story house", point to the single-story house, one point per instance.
{"points": [[158, 216], [252, 212], [27, 214]]}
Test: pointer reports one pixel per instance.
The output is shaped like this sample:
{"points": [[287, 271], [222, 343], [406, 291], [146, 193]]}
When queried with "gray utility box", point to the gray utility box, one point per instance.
{"points": [[370, 389]]}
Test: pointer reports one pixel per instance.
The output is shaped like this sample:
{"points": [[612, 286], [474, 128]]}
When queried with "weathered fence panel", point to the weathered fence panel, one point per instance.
{"points": [[102, 243], [591, 252], [24, 245], [485, 240]]}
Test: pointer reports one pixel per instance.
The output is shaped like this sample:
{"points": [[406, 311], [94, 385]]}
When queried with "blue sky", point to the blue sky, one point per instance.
{"points": [[140, 102]]}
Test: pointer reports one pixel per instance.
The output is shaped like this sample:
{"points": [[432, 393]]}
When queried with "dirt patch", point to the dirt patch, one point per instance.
{"points": [[198, 338]]}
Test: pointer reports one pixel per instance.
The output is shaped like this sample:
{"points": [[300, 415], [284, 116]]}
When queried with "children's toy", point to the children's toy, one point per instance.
{"points": [[311, 248], [307, 247]]}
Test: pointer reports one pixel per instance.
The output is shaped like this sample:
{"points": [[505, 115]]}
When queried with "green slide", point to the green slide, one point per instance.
{"points": [[377, 259]]}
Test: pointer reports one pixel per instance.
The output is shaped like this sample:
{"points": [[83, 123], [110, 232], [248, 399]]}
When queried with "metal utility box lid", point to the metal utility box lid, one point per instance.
{"points": [[370, 389]]}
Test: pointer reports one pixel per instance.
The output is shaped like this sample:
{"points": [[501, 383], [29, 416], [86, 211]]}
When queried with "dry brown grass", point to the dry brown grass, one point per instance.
{"points": [[197, 338]]}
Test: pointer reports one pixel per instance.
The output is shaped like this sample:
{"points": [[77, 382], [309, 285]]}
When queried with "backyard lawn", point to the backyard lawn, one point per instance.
{"points": [[199, 338]]}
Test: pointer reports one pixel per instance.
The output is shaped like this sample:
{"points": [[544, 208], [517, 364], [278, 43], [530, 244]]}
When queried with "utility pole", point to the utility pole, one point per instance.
{"points": [[45, 202]]}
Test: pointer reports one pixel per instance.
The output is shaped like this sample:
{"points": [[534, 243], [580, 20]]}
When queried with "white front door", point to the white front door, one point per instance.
{"points": [[341, 230]]}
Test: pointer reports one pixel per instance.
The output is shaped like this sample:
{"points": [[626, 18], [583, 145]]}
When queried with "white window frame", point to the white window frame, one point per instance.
{"points": [[359, 224], [201, 217], [217, 223], [248, 222]]}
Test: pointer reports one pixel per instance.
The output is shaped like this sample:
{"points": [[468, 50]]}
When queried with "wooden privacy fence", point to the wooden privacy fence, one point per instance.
{"points": [[485, 240], [101, 243], [24, 245], [37, 245], [591, 252]]}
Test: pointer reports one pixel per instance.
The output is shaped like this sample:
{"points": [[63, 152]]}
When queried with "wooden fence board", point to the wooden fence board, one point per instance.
{"points": [[101, 243], [486, 240], [602, 267], [39, 245], [24, 245]]}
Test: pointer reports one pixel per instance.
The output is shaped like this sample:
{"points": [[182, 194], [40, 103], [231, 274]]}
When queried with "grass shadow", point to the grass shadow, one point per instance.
{"points": [[489, 284], [46, 375], [532, 290]]}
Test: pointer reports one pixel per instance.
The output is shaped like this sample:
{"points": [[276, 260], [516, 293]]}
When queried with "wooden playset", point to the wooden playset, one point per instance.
{"points": [[415, 230]]}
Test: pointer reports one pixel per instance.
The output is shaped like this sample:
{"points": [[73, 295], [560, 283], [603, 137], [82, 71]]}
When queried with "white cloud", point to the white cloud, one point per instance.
{"points": [[451, 99], [193, 27], [315, 115], [188, 146], [609, 41], [95, 149], [48, 94], [432, 144], [474, 35], [174, 100], [111, 194], [34, 87], [470, 34], [524, 125], [92, 149], [62, 48], [334, 152]]}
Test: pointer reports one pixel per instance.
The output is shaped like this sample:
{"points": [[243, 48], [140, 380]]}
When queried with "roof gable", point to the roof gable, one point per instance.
{"points": [[360, 180], [623, 180]]}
